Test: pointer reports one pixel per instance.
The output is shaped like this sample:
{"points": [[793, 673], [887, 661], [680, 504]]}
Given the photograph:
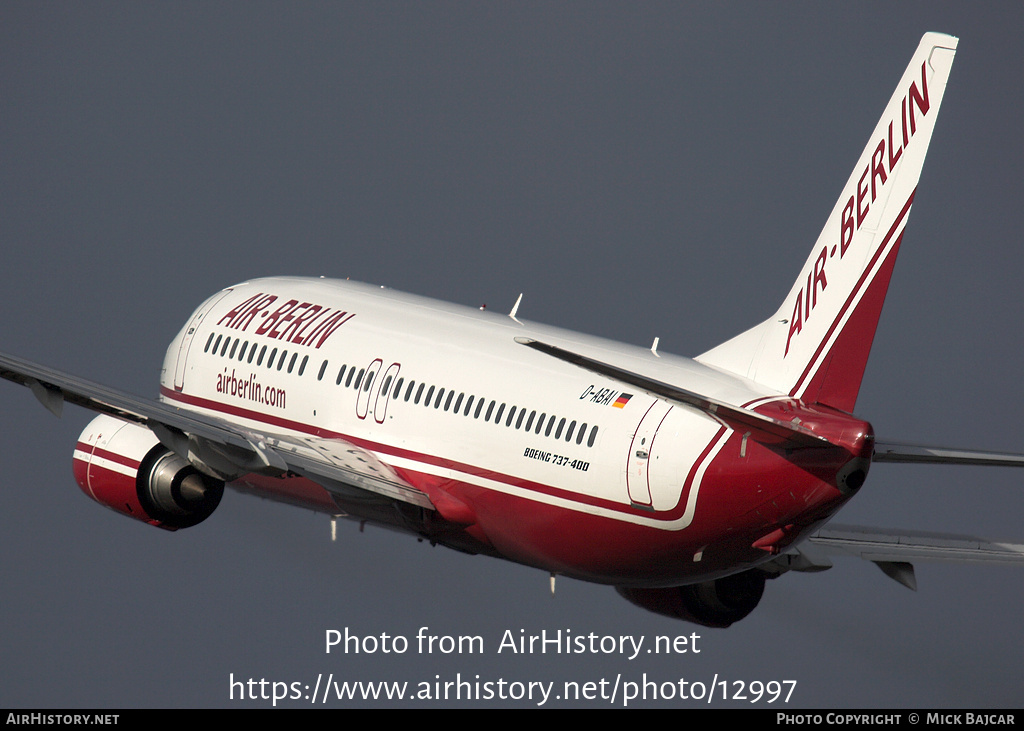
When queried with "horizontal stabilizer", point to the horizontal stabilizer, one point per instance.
{"points": [[881, 547], [762, 428], [923, 454]]}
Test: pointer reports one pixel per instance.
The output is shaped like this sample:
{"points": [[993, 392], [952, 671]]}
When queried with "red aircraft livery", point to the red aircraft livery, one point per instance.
{"points": [[684, 483]]}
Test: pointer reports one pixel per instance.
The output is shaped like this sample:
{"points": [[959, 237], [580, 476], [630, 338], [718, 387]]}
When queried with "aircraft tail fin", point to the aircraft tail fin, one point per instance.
{"points": [[815, 347]]}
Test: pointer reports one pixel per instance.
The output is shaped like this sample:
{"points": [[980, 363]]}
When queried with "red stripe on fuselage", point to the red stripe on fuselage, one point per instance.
{"points": [[665, 516], [742, 499]]}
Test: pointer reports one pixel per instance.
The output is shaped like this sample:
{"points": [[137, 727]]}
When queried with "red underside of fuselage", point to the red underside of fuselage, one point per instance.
{"points": [[750, 493], [764, 497]]}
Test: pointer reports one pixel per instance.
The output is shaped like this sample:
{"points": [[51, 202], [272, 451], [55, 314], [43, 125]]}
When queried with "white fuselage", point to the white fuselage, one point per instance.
{"points": [[456, 405]]}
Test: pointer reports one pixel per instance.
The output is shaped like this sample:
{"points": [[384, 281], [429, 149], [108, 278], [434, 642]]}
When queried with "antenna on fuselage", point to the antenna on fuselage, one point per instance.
{"points": [[515, 307]]}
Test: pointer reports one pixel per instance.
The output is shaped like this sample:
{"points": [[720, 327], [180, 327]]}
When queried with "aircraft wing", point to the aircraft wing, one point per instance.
{"points": [[221, 446]]}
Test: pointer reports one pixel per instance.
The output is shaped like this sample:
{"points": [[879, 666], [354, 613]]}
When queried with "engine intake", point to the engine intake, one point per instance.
{"points": [[125, 467]]}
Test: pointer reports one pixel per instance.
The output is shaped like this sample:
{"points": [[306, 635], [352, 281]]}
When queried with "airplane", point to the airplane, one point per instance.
{"points": [[686, 484]]}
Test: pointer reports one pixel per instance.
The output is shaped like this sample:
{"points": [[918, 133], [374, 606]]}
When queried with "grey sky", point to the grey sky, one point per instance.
{"points": [[637, 170]]}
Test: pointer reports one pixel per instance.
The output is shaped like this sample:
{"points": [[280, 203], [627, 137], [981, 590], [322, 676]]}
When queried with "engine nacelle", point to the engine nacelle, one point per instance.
{"points": [[716, 603], [125, 467]]}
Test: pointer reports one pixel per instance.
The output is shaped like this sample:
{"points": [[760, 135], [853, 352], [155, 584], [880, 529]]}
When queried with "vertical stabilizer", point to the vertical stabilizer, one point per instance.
{"points": [[815, 347]]}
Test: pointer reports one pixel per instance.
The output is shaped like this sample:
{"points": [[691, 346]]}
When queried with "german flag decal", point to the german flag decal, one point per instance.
{"points": [[622, 400]]}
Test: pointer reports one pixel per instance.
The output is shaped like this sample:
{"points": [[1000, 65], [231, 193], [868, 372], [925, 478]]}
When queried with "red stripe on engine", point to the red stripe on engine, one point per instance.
{"points": [[108, 455]]}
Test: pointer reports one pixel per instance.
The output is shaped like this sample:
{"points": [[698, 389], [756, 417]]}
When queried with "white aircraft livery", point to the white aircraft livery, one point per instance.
{"points": [[684, 483]]}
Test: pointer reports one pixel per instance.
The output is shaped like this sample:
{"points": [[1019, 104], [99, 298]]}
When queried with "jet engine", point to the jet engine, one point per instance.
{"points": [[125, 467], [716, 603]]}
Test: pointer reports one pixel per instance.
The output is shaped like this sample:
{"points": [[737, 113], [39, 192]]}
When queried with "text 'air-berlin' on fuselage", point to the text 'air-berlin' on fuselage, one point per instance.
{"points": [[302, 323]]}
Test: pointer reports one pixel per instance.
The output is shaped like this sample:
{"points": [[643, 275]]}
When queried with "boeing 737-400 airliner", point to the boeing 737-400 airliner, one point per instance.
{"points": [[684, 483]]}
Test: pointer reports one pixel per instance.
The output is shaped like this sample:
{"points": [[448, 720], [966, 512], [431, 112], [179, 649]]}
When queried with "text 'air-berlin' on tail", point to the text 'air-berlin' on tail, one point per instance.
{"points": [[815, 347]]}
